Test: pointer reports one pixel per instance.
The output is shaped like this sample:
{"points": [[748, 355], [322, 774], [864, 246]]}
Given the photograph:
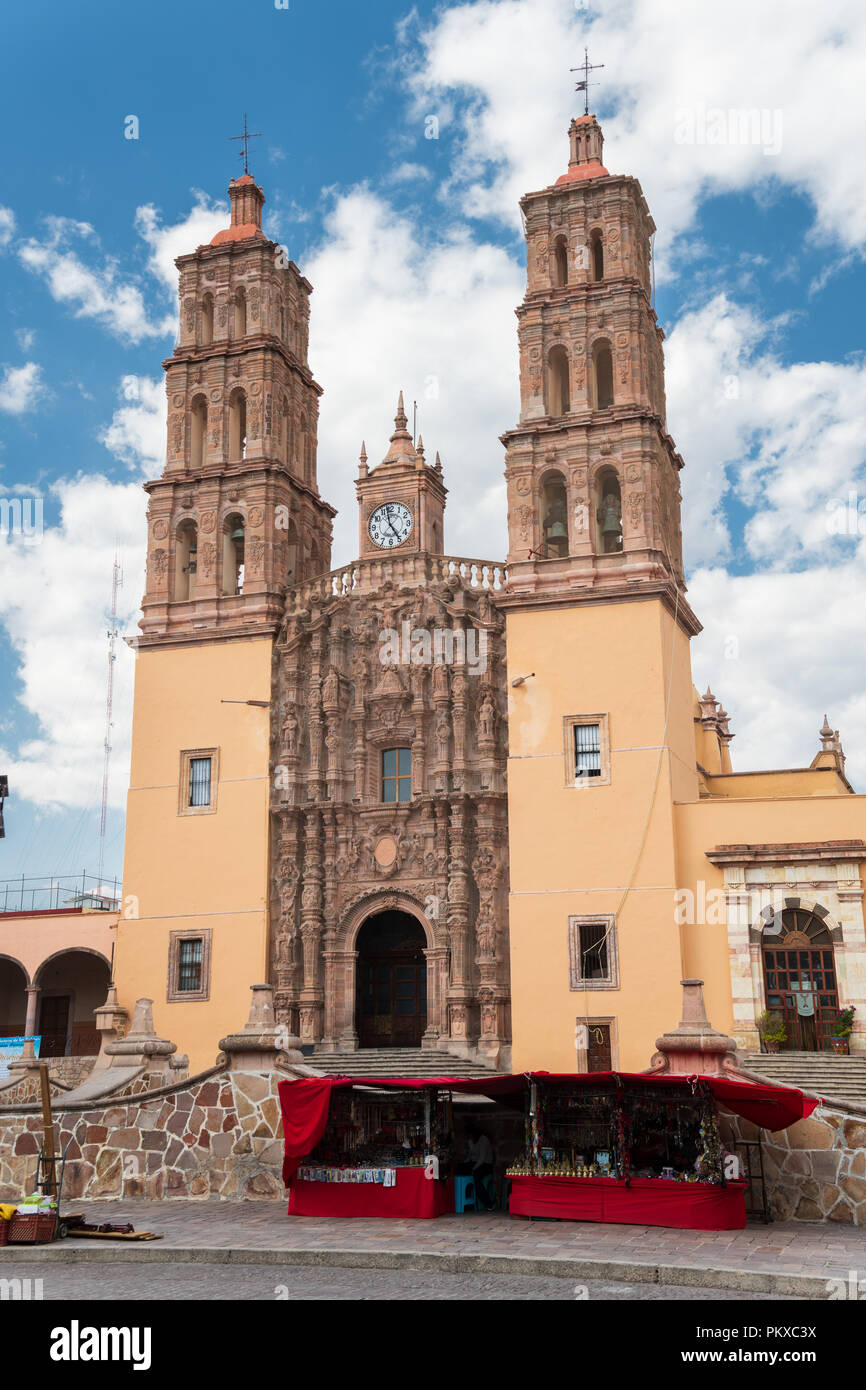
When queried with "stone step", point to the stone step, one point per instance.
{"points": [[373, 1062], [841, 1078]]}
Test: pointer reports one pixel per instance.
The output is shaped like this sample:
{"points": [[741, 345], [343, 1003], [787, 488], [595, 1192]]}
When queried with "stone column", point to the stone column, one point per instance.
{"points": [[261, 1041], [694, 1046], [110, 1021], [142, 1047], [32, 993]]}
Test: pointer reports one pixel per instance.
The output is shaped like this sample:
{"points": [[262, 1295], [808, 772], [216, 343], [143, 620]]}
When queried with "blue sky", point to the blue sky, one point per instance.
{"points": [[414, 248]]}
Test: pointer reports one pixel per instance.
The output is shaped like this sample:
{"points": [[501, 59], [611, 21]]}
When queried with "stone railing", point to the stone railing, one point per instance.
{"points": [[412, 571]]}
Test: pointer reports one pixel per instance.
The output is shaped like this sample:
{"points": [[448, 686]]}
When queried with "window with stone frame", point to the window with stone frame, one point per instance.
{"points": [[199, 774], [593, 957], [586, 750], [189, 957]]}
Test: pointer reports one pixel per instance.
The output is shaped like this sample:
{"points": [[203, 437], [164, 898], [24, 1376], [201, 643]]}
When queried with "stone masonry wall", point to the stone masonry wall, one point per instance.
{"points": [[816, 1169], [215, 1135]]}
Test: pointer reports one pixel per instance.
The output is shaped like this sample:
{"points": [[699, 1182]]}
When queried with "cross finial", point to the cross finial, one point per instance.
{"points": [[246, 137], [586, 68]]}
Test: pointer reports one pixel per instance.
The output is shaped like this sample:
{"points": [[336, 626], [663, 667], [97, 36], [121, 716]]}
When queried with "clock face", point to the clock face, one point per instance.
{"points": [[390, 524]]}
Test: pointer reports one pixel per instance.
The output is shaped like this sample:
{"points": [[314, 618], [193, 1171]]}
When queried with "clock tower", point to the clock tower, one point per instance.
{"points": [[401, 502]]}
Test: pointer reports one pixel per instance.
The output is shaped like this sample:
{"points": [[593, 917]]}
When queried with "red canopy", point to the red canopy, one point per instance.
{"points": [[305, 1103]]}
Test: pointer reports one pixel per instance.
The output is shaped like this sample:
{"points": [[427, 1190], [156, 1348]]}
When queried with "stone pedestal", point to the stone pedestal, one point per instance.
{"points": [[694, 1047], [141, 1047], [261, 1041], [111, 1022]]}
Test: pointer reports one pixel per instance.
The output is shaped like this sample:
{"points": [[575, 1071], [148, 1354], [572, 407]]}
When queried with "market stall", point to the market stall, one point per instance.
{"points": [[381, 1149], [605, 1146], [639, 1149]]}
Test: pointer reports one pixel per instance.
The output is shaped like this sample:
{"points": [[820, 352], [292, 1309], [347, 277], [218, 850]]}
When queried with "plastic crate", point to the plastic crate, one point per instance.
{"points": [[32, 1230]]}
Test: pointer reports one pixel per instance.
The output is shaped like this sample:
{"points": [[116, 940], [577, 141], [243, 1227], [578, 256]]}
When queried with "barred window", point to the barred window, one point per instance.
{"points": [[593, 951], [199, 781], [587, 750], [397, 774], [189, 965], [593, 957]]}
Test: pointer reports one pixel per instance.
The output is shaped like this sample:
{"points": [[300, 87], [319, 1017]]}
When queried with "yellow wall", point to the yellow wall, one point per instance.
{"points": [[572, 851], [184, 872]]}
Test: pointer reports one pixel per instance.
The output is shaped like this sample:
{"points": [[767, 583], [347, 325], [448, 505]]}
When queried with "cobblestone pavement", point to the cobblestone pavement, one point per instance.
{"points": [[264, 1283], [784, 1248]]}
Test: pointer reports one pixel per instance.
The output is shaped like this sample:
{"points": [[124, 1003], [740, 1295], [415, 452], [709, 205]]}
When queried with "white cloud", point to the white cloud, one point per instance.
{"points": [[662, 73], [136, 434], [393, 310], [407, 172], [92, 292], [197, 228], [21, 388], [7, 226], [786, 440], [777, 650], [54, 602], [26, 338]]}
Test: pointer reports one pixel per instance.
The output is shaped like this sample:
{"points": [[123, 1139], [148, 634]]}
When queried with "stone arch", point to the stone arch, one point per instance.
{"points": [[560, 261], [596, 254], [185, 559], [758, 933], [557, 381], [602, 374], [79, 950], [341, 978]]}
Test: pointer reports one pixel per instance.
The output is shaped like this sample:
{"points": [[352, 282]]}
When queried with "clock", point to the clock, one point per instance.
{"points": [[390, 525]]}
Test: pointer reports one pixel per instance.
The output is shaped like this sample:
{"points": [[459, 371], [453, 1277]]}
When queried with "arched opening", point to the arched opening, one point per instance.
{"points": [[602, 359], [185, 558], [282, 322], [800, 978], [206, 320], [391, 1001], [13, 998], [596, 255], [558, 396], [237, 425], [554, 516], [71, 986], [560, 261], [240, 314], [198, 432], [608, 512], [233, 554], [300, 461]]}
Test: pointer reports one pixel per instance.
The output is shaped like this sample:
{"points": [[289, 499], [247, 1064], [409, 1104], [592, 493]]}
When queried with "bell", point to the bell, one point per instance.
{"points": [[557, 532], [238, 533]]}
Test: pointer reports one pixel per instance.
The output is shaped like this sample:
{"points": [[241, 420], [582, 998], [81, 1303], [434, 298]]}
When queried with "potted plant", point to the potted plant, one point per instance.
{"points": [[771, 1026], [842, 1030]]}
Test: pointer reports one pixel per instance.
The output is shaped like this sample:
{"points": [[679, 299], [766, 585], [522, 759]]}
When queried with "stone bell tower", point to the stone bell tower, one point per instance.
{"points": [[601, 737], [236, 515], [593, 476]]}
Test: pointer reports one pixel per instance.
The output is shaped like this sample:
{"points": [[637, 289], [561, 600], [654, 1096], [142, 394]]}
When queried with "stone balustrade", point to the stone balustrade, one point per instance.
{"points": [[413, 571]]}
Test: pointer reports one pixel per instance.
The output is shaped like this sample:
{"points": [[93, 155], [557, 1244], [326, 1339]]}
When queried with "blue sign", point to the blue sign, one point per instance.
{"points": [[11, 1049]]}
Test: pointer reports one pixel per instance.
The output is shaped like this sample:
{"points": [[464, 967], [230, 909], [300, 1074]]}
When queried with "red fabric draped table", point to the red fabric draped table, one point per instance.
{"points": [[689, 1206], [415, 1195]]}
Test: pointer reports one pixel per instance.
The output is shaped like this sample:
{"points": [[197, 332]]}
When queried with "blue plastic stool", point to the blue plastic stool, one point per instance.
{"points": [[464, 1195]]}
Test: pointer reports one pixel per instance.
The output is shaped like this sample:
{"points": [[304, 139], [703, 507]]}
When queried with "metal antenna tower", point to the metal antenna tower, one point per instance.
{"points": [[116, 583]]}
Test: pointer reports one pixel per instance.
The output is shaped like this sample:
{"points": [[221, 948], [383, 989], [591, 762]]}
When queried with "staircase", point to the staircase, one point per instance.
{"points": [[394, 1061], [818, 1073]]}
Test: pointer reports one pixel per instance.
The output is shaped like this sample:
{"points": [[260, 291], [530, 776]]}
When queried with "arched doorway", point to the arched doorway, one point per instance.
{"points": [[13, 998], [391, 1006], [800, 978], [72, 985]]}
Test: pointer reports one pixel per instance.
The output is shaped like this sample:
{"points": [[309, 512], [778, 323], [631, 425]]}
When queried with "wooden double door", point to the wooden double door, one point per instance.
{"points": [[801, 986], [392, 982]]}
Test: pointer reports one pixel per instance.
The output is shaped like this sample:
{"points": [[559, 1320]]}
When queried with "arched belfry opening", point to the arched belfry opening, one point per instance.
{"points": [[391, 996], [554, 516]]}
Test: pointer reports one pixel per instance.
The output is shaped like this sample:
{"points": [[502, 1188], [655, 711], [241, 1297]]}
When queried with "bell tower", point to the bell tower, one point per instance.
{"points": [[593, 476], [236, 516], [600, 713]]}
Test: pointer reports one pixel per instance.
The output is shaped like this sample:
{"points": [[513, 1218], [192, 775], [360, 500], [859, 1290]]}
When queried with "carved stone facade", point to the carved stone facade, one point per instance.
{"points": [[395, 660]]}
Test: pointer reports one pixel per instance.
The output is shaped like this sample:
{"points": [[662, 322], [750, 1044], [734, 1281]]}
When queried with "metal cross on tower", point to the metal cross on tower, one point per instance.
{"points": [[586, 68], [246, 137]]}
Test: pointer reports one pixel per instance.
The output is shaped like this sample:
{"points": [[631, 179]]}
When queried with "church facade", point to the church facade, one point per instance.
{"points": [[451, 803]]}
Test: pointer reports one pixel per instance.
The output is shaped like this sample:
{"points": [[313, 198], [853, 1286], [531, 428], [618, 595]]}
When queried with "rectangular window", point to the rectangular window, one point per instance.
{"points": [[189, 954], [199, 781], [397, 774], [592, 952], [189, 963], [586, 746]]}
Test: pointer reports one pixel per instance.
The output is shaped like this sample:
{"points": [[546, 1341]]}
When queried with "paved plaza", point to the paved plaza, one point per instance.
{"points": [[790, 1259]]}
